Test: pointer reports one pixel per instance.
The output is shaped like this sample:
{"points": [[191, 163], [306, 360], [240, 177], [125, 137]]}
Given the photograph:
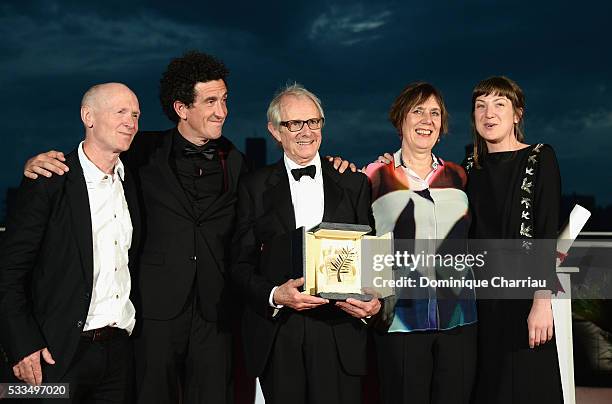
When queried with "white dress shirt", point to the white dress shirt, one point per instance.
{"points": [[307, 198], [111, 229], [306, 194]]}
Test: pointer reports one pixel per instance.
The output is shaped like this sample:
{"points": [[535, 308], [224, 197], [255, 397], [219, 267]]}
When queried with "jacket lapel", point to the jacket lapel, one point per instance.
{"points": [[80, 214], [162, 160], [333, 193], [231, 174], [277, 197], [129, 190]]}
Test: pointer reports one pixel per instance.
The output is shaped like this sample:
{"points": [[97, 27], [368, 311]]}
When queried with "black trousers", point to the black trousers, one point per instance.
{"points": [[100, 372], [304, 366], [423, 367], [184, 360]]}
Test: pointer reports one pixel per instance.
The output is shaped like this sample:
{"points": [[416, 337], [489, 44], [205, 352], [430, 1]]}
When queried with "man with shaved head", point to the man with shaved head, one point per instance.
{"points": [[187, 180], [65, 309]]}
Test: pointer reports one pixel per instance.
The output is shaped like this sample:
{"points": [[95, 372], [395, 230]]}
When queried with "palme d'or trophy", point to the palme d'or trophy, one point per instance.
{"points": [[337, 260]]}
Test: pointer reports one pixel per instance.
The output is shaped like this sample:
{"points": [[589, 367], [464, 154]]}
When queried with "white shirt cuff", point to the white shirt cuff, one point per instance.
{"points": [[271, 299]]}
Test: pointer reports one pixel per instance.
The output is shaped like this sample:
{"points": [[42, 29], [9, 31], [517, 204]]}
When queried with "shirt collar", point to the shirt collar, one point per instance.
{"points": [[178, 143], [398, 160], [290, 165], [93, 173]]}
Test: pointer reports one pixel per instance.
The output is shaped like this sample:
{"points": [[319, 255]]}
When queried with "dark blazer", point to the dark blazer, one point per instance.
{"points": [[178, 246], [262, 257], [46, 266]]}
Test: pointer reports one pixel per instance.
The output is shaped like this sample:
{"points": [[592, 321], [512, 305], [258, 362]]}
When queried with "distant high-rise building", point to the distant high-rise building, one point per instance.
{"points": [[256, 152]]}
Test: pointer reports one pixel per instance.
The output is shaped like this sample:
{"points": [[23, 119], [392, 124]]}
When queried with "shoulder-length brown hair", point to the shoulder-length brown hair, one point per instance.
{"points": [[504, 87]]}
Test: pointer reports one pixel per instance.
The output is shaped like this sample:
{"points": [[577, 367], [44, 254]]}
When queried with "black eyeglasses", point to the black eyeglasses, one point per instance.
{"points": [[297, 125]]}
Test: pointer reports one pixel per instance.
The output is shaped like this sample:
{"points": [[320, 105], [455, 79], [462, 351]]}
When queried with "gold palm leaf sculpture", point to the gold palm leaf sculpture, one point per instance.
{"points": [[342, 263]]}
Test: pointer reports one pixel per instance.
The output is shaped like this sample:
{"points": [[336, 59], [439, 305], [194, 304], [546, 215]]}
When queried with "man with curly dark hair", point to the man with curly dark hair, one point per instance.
{"points": [[187, 180], [178, 82]]}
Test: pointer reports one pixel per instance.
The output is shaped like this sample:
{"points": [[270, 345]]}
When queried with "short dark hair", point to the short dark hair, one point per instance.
{"points": [[411, 96], [180, 78]]}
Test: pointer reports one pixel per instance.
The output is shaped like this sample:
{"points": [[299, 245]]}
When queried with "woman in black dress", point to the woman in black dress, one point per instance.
{"points": [[514, 192]]}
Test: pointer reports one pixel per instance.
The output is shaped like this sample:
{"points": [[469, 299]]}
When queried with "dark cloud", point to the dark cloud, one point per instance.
{"points": [[356, 55]]}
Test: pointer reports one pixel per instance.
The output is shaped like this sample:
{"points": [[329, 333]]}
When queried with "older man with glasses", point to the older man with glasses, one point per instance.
{"points": [[305, 349]]}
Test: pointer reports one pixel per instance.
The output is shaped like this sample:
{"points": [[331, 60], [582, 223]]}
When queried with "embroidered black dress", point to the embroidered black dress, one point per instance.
{"points": [[508, 370]]}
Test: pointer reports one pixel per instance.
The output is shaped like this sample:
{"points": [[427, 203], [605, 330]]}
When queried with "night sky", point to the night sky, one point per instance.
{"points": [[357, 56]]}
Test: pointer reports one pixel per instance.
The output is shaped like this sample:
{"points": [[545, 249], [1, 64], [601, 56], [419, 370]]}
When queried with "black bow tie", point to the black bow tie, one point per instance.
{"points": [[308, 170], [208, 150]]}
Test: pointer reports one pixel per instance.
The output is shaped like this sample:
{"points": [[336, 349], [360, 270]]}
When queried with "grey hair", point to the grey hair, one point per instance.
{"points": [[296, 90]]}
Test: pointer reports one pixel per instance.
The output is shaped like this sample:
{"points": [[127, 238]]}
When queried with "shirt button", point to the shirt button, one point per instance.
{"points": [[194, 258], [79, 324], [106, 177], [117, 296], [115, 216], [115, 242], [115, 269]]}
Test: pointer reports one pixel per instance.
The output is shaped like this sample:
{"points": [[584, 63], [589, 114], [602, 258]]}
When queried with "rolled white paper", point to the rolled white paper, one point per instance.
{"points": [[577, 219]]}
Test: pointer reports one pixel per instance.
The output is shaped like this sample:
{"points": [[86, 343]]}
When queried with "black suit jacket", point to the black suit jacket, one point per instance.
{"points": [[46, 266], [179, 247], [262, 257]]}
